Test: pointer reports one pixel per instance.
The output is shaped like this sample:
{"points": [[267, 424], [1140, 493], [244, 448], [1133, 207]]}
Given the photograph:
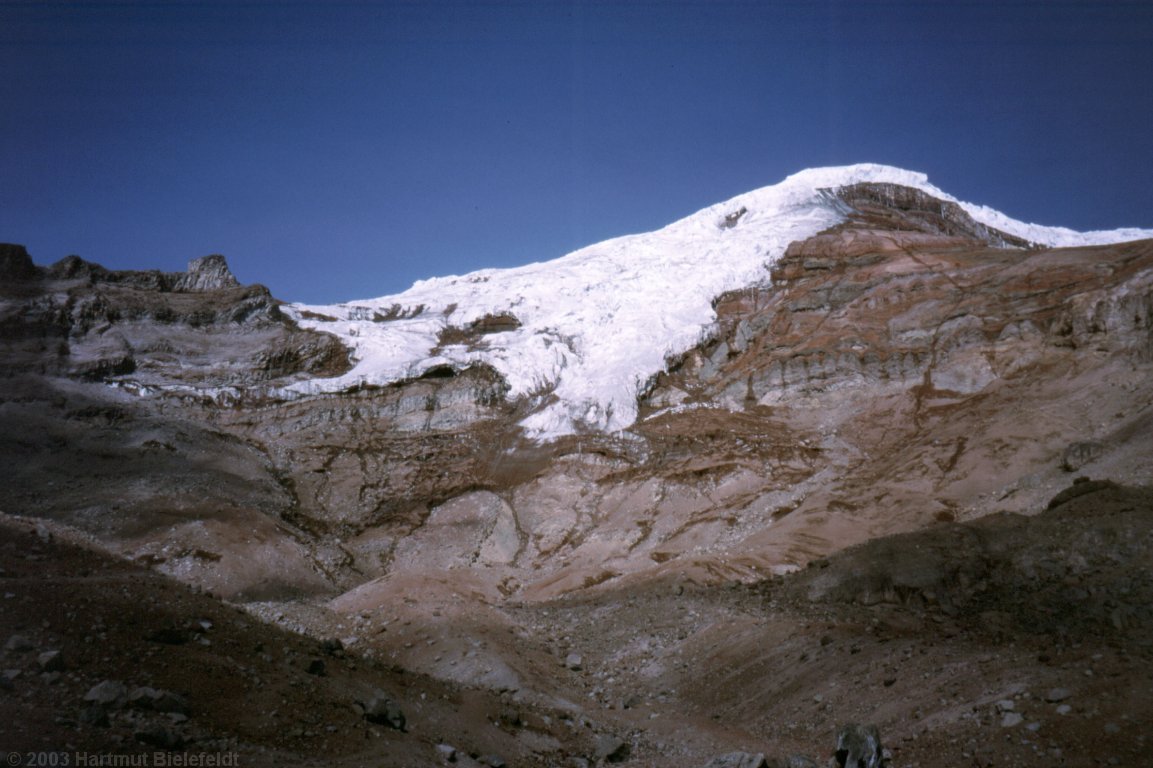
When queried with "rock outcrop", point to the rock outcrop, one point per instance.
{"points": [[892, 206], [905, 305], [198, 329], [16, 264], [208, 273]]}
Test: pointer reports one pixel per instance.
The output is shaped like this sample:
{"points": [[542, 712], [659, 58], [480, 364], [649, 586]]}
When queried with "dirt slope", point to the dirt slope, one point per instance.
{"points": [[1010, 641]]}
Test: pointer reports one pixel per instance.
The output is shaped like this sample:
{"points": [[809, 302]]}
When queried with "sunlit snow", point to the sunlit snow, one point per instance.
{"points": [[598, 323]]}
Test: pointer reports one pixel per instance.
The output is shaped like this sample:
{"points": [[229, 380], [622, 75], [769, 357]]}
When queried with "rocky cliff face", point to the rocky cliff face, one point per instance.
{"points": [[209, 273], [906, 368], [938, 374], [199, 328], [890, 373]]}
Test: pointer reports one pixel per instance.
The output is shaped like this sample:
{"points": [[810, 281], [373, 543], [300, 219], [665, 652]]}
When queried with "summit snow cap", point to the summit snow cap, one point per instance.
{"points": [[582, 334]]}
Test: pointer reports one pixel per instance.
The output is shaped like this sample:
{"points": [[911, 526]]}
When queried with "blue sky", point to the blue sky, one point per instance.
{"points": [[342, 150]]}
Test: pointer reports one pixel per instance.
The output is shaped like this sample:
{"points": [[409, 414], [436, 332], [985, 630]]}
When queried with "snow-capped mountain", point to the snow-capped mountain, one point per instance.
{"points": [[909, 367], [584, 333]]}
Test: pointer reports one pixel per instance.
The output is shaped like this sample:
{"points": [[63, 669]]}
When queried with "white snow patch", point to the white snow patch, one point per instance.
{"points": [[598, 323]]}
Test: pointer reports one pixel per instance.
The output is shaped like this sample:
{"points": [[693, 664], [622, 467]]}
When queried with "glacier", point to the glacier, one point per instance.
{"points": [[595, 325]]}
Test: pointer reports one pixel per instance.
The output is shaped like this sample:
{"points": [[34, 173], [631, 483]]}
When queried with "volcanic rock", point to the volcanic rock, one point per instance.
{"points": [[161, 736], [738, 760], [109, 693], [95, 715], [157, 700], [208, 273], [8, 678], [18, 644], [50, 661], [1012, 719], [16, 264], [859, 746], [382, 710], [611, 749], [1079, 454], [76, 268]]}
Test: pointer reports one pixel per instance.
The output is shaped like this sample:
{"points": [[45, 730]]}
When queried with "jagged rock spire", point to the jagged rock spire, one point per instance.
{"points": [[208, 273]]}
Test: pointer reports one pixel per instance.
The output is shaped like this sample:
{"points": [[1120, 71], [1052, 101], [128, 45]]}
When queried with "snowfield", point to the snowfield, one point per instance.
{"points": [[596, 324]]}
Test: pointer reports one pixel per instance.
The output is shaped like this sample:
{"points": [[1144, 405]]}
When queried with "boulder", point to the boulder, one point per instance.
{"points": [[859, 746], [157, 700], [610, 749], [382, 710], [110, 694], [18, 644], [738, 760], [1012, 719], [332, 646], [8, 677], [50, 661]]}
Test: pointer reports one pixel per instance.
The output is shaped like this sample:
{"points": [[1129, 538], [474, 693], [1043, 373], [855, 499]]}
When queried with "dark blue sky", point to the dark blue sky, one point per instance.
{"points": [[342, 150]]}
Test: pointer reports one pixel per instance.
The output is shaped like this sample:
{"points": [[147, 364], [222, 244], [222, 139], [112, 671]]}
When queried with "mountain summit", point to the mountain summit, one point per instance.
{"points": [[582, 336]]}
